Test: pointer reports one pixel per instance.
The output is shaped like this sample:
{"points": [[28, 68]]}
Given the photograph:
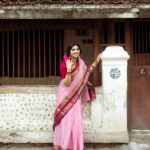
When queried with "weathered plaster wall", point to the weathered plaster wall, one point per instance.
{"points": [[27, 116], [74, 11]]}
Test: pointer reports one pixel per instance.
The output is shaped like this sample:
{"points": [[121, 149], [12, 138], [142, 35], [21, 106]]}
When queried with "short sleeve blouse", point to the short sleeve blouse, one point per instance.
{"points": [[63, 69]]}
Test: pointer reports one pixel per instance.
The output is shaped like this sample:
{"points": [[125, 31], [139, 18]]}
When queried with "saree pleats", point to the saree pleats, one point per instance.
{"points": [[69, 133]]}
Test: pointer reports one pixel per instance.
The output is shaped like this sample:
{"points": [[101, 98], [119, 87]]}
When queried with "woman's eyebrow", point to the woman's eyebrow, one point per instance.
{"points": [[74, 48]]}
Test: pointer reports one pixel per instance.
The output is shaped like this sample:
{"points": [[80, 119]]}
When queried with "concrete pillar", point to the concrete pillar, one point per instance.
{"points": [[114, 84]]}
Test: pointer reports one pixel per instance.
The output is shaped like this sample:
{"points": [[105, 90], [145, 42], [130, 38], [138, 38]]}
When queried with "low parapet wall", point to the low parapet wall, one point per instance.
{"points": [[27, 116]]}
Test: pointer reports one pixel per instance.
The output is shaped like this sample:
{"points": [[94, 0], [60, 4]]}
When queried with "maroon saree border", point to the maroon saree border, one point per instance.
{"points": [[70, 100]]}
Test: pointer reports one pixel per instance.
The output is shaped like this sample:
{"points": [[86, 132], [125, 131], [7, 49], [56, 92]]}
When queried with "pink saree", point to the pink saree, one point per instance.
{"points": [[68, 128]]}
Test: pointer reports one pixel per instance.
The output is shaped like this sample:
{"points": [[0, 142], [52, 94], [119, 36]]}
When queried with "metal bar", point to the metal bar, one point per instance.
{"points": [[134, 43], [39, 38], [146, 41], [148, 44], [44, 54], [29, 74], [143, 43], [50, 69], [109, 31], [84, 27], [122, 28], [146, 38], [138, 49], [128, 39], [139, 54], [3, 54], [18, 54], [55, 52], [101, 32], [8, 53], [111, 27], [141, 46], [119, 33], [116, 32], [138, 44], [13, 54], [24, 53], [34, 53], [60, 46], [105, 32]]}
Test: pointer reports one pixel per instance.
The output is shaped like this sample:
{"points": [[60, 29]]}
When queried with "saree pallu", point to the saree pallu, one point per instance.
{"points": [[68, 128]]}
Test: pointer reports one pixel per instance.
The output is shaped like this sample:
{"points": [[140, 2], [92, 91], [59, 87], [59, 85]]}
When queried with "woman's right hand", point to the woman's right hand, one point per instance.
{"points": [[67, 79], [68, 65]]}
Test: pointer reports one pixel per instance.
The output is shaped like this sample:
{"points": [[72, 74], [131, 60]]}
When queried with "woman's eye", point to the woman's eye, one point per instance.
{"points": [[75, 49]]}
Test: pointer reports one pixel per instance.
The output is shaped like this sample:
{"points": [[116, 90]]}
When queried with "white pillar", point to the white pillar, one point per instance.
{"points": [[114, 84]]}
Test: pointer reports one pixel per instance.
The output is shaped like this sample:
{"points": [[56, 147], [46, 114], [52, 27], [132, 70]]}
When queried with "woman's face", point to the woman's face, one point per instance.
{"points": [[75, 51]]}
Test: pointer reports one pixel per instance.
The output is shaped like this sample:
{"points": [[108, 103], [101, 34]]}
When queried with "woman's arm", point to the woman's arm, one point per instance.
{"points": [[97, 60]]}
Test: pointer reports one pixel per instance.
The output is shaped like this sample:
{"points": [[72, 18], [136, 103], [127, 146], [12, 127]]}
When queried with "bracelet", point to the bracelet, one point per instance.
{"points": [[68, 72], [93, 66]]}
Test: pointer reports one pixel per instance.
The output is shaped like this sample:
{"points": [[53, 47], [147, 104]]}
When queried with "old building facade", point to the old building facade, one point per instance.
{"points": [[33, 37]]}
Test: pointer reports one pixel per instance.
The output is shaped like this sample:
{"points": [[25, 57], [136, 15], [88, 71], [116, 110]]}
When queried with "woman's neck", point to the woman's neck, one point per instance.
{"points": [[74, 60]]}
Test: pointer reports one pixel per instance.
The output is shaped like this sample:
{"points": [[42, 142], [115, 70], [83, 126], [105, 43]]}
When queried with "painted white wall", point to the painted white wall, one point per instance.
{"points": [[114, 83], [27, 114]]}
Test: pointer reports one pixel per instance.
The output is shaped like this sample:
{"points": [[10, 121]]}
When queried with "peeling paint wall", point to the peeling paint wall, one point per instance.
{"points": [[27, 117], [27, 114]]}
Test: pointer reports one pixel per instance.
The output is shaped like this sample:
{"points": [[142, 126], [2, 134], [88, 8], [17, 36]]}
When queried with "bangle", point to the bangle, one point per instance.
{"points": [[68, 72], [93, 66]]}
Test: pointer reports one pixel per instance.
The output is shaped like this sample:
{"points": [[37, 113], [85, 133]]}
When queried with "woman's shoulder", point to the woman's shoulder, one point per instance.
{"points": [[62, 63], [63, 69]]}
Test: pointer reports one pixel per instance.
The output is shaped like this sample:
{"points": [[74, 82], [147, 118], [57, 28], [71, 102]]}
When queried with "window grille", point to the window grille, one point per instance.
{"points": [[112, 33], [119, 32], [141, 43], [28, 55]]}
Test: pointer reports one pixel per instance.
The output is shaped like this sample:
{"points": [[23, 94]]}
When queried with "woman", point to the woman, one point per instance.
{"points": [[73, 90]]}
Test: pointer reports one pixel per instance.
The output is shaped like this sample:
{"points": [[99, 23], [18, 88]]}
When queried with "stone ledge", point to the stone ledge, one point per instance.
{"points": [[91, 146], [74, 11], [140, 136], [46, 137], [49, 89]]}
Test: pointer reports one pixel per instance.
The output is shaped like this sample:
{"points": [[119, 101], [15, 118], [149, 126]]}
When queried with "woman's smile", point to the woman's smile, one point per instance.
{"points": [[75, 51]]}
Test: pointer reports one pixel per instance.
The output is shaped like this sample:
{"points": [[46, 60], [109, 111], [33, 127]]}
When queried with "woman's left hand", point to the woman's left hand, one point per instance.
{"points": [[98, 58]]}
